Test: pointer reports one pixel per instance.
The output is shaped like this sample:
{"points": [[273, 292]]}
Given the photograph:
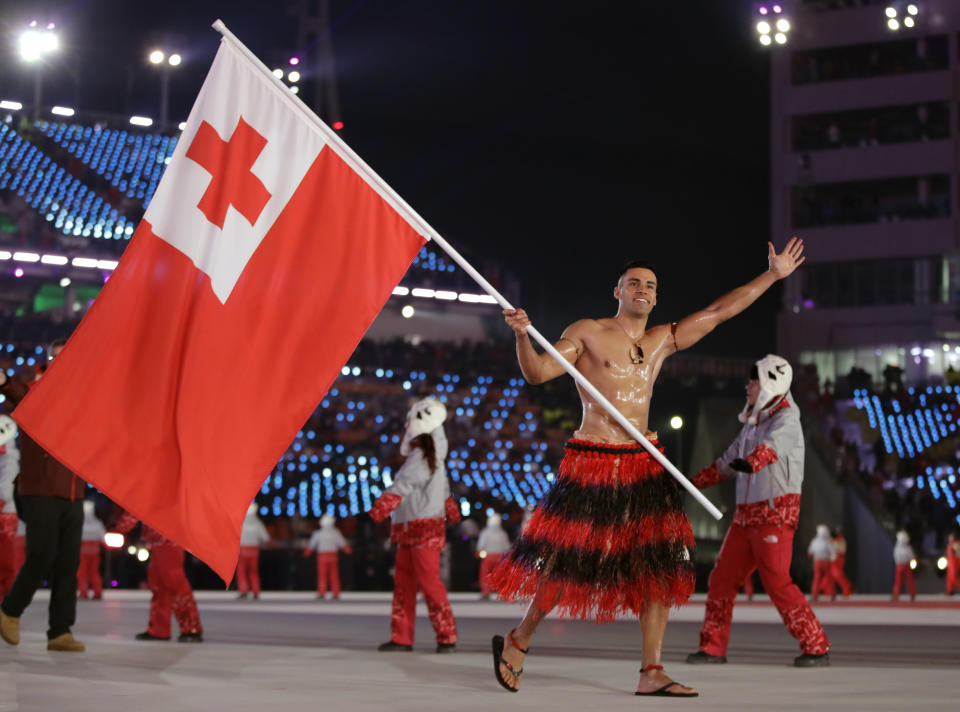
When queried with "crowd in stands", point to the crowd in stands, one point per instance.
{"points": [[897, 445], [889, 58], [872, 127]]}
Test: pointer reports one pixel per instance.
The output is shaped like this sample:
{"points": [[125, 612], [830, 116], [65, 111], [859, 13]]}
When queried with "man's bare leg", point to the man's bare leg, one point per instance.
{"points": [[536, 612], [653, 624]]}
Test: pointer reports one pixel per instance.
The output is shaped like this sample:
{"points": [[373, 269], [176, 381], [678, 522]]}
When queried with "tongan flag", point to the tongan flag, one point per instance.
{"points": [[260, 263]]}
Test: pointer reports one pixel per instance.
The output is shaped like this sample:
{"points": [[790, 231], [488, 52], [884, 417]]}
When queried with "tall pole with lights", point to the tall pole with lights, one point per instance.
{"points": [[36, 43], [165, 63]]}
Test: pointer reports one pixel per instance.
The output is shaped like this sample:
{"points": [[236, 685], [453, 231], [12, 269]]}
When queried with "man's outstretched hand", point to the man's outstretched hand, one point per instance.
{"points": [[783, 264]]}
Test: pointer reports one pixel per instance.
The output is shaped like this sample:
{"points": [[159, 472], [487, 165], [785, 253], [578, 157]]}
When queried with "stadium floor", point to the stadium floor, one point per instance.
{"points": [[289, 651]]}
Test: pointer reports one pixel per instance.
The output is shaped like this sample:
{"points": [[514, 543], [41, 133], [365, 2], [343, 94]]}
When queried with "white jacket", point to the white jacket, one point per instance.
{"points": [[253, 533], [424, 493], [903, 553], [93, 529], [327, 539], [781, 432], [821, 548], [9, 469], [493, 540]]}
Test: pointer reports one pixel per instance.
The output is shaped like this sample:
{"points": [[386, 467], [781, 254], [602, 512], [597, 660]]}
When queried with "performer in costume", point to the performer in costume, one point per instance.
{"points": [[91, 539], [822, 551], [169, 585], [9, 469], [419, 500], [903, 556], [767, 460], [492, 544], [327, 541], [252, 535], [839, 561], [611, 535], [953, 562]]}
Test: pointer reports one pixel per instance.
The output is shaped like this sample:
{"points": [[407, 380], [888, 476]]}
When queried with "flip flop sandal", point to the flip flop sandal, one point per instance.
{"points": [[498, 660], [664, 691]]}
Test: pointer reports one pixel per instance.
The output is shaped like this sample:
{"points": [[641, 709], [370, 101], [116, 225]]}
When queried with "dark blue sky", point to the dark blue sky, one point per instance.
{"points": [[560, 139]]}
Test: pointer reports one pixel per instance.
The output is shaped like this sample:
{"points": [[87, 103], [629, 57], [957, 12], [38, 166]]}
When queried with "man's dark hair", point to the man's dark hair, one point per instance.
{"points": [[634, 265], [55, 343]]}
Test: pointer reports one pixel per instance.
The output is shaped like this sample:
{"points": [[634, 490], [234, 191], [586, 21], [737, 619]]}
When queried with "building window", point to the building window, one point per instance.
{"points": [[871, 127], [878, 59], [890, 199]]}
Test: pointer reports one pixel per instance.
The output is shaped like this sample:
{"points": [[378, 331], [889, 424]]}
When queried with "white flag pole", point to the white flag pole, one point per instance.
{"points": [[423, 227]]}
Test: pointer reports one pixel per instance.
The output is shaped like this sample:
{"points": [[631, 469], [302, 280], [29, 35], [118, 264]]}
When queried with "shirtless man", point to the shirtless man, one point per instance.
{"points": [[611, 536]]}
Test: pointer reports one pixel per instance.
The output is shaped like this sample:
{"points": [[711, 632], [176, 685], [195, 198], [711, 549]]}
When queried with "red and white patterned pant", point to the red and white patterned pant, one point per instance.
{"points": [[88, 575], [328, 569], [770, 549], [903, 572], [416, 567], [248, 570], [171, 591], [486, 566], [822, 579]]}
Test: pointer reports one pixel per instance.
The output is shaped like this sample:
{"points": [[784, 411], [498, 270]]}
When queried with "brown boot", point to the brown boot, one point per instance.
{"points": [[66, 643], [9, 628]]}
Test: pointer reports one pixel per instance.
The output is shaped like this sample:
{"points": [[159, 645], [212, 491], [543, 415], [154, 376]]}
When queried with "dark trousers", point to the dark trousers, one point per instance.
{"points": [[53, 550]]}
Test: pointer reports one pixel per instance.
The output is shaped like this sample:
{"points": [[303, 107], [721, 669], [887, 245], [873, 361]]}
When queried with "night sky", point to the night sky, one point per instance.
{"points": [[560, 139]]}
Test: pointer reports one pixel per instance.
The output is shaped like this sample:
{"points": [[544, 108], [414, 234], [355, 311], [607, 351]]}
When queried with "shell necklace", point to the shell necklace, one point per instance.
{"points": [[636, 351]]}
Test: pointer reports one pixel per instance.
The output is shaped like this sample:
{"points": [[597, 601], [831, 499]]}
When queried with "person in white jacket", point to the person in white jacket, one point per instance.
{"points": [[822, 551], [9, 469], [492, 544], [767, 461], [420, 503], [328, 542], [91, 541], [252, 535], [903, 558]]}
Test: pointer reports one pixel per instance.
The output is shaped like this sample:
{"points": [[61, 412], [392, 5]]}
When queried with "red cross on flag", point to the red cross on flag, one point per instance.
{"points": [[260, 263]]}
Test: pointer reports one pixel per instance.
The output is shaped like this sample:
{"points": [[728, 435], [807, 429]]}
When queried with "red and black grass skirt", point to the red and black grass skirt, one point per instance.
{"points": [[610, 537]]}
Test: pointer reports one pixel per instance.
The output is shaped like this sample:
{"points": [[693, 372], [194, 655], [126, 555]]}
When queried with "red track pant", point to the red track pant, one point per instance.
{"points": [[822, 578], [248, 570], [328, 571], [836, 568], [8, 558], [88, 575], [903, 571], [486, 566], [953, 581], [171, 591], [770, 549], [419, 568]]}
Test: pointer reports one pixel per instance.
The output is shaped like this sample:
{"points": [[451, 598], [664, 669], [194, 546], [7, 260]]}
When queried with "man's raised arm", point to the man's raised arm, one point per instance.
{"points": [[539, 368], [694, 327]]}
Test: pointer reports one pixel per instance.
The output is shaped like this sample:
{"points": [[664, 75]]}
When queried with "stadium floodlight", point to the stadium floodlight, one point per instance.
{"points": [[401, 291], [407, 311], [278, 73], [293, 77], [156, 56], [295, 90], [83, 262], [182, 126], [26, 257], [901, 15], [62, 111], [10, 105], [54, 260], [65, 282], [422, 292], [294, 61], [141, 121], [174, 60], [4, 255], [770, 24]]}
